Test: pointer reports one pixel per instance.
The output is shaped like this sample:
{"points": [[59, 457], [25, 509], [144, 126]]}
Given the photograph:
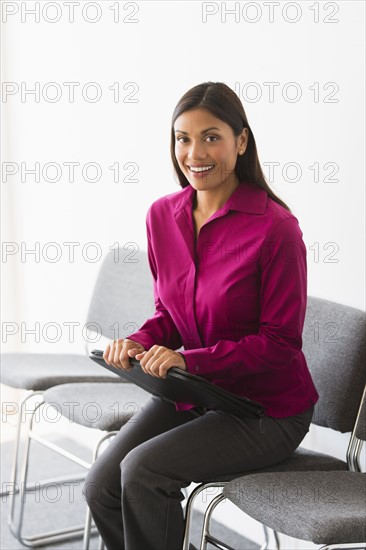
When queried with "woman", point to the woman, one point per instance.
{"points": [[230, 286]]}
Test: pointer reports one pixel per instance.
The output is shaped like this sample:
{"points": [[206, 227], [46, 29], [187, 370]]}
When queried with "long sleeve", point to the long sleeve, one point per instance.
{"points": [[234, 299], [159, 329], [283, 293]]}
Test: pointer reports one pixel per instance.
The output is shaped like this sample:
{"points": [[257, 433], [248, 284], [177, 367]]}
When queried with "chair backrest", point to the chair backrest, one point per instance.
{"points": [[334, 347], [333, 335], [123, 296]]}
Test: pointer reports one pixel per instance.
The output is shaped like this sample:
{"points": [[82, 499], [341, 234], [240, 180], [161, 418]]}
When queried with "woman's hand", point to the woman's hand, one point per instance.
{"points": [[118, 352], [158, 360]]}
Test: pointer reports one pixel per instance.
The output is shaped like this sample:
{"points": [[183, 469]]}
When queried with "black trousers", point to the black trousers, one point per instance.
{"points": [[134, 488]]}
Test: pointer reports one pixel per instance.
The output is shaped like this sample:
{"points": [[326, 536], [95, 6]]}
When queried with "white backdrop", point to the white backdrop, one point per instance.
{"points": [[95, 83], [301, 84]]}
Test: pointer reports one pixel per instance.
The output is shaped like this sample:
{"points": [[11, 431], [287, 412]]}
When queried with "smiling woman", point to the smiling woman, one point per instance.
{"points": [[227, 289], [217, 114]]}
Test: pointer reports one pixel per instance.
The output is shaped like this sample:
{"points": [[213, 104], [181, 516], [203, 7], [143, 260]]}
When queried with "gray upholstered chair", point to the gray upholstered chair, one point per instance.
{"points": [[110, 406], [327, 508], [334, 346], [122, 300]]}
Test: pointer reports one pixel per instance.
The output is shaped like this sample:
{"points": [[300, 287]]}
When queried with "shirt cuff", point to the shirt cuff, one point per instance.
{"points": [[197, 360]]}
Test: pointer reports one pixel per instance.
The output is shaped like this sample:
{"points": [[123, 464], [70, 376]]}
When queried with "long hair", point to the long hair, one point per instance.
{"points": [[224, 104]]}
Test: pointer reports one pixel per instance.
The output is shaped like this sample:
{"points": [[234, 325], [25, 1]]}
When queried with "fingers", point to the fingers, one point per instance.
{"points": [[119, 358], [122, 357], [159, 359], [119, 351], [156, 361], [146, 360], [106, 353], [111, 353], [133, 349], [134, 352]]}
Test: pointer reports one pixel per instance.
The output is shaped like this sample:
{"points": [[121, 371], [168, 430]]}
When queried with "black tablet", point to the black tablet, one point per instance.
{"points": [[180, 385]]}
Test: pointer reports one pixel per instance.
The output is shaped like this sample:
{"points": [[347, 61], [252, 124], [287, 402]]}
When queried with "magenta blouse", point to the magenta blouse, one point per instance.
{"points": [[236, 299]]}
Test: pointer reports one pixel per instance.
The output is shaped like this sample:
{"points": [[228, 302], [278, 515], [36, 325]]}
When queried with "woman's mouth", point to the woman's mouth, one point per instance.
{"points": [[199, 171]]}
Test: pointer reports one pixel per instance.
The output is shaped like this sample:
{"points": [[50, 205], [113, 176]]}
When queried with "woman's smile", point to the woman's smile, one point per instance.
{"points": [[199, 171]]}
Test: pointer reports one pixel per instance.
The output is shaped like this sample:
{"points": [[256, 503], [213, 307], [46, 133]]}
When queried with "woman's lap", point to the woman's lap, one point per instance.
{"points": [[134, 488], [191, 447], [155, 417]]}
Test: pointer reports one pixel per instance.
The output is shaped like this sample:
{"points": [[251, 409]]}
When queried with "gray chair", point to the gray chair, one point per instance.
{"points": [[73, 401], [122, 300], [327, 508], [334, 346]]}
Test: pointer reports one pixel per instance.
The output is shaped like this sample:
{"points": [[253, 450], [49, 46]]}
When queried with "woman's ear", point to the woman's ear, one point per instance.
{"points": [[243, 141]]}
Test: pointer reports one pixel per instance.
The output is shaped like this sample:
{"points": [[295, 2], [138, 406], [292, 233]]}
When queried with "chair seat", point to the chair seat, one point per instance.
{"points": [[40, 371], [102, 406], [299, 461], [322, 507]]}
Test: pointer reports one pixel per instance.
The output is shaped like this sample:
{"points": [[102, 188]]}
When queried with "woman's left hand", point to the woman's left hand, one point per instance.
{"points": [[159, 359]]}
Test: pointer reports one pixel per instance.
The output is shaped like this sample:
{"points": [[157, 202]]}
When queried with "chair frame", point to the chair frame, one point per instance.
{"points": [[18, 483], [59, 535], [23, 486], [15, 483], [353, 462], [15, 463], [206, 536]]}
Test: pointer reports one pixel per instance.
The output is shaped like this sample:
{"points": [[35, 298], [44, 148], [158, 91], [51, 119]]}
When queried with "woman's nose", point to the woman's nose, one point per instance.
{"points": [[197, 151]]}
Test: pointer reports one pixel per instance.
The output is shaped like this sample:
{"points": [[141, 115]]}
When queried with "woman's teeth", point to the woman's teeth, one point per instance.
{"points": [[201, 168]]}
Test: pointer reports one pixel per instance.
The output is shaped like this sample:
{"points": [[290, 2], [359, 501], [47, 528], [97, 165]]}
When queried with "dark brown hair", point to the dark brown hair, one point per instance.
{"points": [[224, 104]]}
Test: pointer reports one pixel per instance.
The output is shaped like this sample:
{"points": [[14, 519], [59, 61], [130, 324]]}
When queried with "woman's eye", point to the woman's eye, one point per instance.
{"points": [[180, 138]]}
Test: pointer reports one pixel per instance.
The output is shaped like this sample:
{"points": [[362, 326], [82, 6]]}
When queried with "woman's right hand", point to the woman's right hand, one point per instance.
{"points": [[118, 352]]}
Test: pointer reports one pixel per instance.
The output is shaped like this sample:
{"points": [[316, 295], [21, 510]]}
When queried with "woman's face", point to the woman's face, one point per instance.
{"points": [[202, 140]]}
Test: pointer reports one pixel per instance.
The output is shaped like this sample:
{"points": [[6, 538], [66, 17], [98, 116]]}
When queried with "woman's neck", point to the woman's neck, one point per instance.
{"points": [[209, 201]]}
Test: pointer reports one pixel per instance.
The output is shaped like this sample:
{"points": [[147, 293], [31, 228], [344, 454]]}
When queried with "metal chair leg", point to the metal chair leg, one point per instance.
{"points": [[52, 536], [206, 536], [14, 469], [87, 529], [189, 508], [20, 486], [266, 538], [267, 531], [188, 514]]}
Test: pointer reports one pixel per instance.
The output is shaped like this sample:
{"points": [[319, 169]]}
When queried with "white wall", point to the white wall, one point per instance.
{"points": [[162, 49]]}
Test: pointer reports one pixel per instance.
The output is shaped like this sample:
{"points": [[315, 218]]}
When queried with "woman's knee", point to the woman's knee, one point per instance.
{"points": [[92, 484], [91, 488], [136, 471], [132, 465], [99, 488]]}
